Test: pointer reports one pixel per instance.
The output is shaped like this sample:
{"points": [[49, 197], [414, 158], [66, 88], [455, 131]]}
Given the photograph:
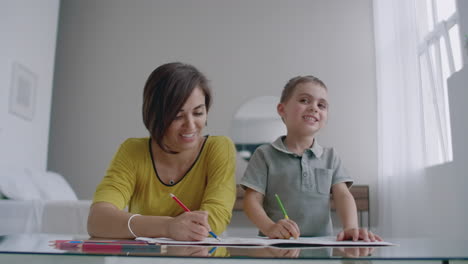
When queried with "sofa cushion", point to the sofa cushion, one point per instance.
{"points": [[52, 186], [25, 184], [17, 184]]}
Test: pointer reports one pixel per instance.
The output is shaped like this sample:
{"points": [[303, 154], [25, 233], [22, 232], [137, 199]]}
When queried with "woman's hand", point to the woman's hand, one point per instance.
{"points": [[356, 234], [189, 226], [283, 229]]}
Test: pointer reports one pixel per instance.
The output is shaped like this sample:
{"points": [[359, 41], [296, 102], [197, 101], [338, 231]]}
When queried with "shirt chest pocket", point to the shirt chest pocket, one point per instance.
{"points": [[323, 179]]}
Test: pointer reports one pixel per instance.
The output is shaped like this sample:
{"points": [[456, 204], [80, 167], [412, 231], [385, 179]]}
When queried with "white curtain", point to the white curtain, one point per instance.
{"points": [[400, 117]]}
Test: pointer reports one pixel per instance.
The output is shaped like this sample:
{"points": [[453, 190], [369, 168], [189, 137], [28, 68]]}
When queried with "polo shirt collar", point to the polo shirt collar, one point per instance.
{"points": [[279, 145]]}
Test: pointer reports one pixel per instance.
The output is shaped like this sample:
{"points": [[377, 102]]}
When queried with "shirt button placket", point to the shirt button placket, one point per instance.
{"points": [[306, 180]]}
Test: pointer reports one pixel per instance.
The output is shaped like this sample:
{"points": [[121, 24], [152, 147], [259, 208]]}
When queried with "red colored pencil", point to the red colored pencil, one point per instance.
{"points": [[180, 203], [188, 210], [119, 242]]}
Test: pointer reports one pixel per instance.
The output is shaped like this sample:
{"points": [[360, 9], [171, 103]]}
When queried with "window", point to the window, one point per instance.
{"points": [[439, 56]]}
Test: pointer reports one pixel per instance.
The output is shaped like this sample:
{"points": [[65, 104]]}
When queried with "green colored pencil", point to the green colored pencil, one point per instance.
{"points": [[282, 207]]}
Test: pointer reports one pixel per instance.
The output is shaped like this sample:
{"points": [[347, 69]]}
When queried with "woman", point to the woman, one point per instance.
{"points": [[176, 159]]}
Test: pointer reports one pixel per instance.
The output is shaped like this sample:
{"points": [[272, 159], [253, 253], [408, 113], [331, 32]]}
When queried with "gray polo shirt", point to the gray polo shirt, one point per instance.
{"points": [[302, 182]]}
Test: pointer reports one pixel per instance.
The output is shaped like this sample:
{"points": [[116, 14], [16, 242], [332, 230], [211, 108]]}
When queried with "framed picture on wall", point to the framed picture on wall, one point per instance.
{"points": [[23, 92]]}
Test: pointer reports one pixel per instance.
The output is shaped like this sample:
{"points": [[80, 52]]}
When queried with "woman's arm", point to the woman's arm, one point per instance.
{"points": [[105, 220], [220, 191]]}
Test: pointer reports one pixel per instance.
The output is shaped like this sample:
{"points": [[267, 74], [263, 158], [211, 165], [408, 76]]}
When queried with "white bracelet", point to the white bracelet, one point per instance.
{"points": [[128, 224]]}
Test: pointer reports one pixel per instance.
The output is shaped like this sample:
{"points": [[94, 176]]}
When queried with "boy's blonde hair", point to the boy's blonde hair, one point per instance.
{"points": [[291, 85]]}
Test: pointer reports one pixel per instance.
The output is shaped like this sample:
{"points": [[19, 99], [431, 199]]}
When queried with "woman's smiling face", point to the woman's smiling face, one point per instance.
{"points": [[184, 133]]}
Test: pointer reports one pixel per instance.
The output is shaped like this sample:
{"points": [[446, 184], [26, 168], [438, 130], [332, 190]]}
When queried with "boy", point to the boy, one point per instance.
{"points": [[301, 172]]}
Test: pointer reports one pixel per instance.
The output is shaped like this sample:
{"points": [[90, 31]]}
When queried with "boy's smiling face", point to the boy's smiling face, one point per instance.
{"points": [[306, 111]]}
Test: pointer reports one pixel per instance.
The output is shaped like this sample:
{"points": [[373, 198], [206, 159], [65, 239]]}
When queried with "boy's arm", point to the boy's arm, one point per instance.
{"points": [[285, 228], [253, 208], [345, 206], [347, 211]]}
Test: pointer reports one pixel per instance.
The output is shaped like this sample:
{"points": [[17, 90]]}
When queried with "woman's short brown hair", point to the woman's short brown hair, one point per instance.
{"points": [[292, 83], [167, 89]]}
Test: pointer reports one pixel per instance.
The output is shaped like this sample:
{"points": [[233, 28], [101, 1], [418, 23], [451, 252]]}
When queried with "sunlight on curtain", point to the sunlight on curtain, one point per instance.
{"points": [[440, 56], [417, 45], [400, 115]]}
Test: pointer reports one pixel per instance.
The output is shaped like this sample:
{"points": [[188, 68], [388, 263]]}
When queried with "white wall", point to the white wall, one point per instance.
{"points": [[257, 121], [28, 31], [106, 50], [450, 180]]}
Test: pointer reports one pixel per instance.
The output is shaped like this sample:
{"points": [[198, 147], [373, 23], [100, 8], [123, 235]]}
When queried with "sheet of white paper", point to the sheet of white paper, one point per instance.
{"points": [[261, 241]]}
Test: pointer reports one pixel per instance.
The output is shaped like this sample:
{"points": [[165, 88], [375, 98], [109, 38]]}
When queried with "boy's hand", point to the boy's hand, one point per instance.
{"points": [[356, 234], [283, 229], [353, 252]]}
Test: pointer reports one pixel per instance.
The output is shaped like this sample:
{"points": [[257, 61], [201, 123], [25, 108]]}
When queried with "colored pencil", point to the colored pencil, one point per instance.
{"points": [[212, 250], [281, 206], [188, 210], [101, 247], [127, 242], [115, 248]]}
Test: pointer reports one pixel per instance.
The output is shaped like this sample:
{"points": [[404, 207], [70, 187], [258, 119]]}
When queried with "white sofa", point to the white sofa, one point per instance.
{"points": [[44, 216], [39, 202]]}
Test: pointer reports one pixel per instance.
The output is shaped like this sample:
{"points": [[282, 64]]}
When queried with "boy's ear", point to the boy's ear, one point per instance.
{"points": [[280, 109]]}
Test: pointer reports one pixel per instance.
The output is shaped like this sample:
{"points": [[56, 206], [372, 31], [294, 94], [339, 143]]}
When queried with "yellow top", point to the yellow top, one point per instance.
{"points": [[209, 185]]}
